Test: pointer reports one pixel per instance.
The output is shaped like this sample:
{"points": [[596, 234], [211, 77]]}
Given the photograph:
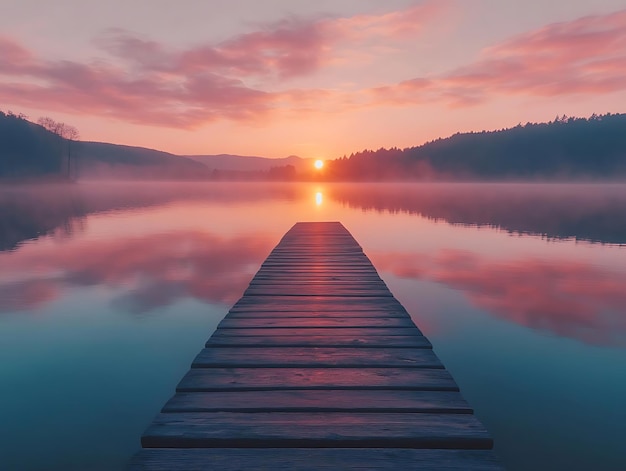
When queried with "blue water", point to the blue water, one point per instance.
{"points": [[107, 292]]}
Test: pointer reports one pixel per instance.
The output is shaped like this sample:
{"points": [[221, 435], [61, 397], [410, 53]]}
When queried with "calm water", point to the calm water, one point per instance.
{"points": [[108, 292]]}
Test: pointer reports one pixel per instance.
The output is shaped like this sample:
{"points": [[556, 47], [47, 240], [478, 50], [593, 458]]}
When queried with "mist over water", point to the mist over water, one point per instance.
{"points": [[108, 291]]}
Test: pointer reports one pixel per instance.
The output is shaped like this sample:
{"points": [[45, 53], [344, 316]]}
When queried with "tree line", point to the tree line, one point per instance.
{"points": [[44, 149], [564, 148]]}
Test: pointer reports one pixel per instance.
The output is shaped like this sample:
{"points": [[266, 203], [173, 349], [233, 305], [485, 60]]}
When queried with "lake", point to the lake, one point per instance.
{"points": [[108, 291]]}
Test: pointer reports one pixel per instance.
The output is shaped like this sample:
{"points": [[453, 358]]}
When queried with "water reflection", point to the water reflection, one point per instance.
{"points": [[583, 212], [568, 298], [147, 272], [591, 212], [97, 250], [29, 212]]}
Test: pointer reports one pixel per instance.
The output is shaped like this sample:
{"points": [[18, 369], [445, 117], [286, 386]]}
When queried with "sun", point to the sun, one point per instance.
{"points": [[319, 164]]}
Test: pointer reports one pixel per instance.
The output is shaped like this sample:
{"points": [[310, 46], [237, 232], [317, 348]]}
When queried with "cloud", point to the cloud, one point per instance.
{"points": [[12, 55], [289, 48], [247, 77], [399, 24], [584, 56], [150, 272], [571, 299], [145, 82], [142, 98]]}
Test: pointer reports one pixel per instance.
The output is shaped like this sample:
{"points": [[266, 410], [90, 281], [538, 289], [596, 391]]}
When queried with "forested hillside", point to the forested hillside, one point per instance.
{"points": [[566, 148], [28, 150]]}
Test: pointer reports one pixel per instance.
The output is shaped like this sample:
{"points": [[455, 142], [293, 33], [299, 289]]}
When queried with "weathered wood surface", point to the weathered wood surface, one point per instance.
{"points": [[298, 322], [316, 357], [316, 430], [325, 331], [335, 341], [274, 379], [381, 313], [318, 302], [290, 305], [319, 401], [316, 360], [314, 459]]}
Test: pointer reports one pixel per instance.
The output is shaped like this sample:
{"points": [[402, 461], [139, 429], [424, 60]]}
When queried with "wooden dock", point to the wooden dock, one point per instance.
{"points": [[316, 367]]}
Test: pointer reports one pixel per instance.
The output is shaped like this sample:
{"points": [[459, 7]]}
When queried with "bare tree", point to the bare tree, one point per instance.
{"points": [[66, 133], [51, 125]]}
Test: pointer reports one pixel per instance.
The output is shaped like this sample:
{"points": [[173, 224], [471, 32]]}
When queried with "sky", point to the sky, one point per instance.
{"points": [[316, 79]]}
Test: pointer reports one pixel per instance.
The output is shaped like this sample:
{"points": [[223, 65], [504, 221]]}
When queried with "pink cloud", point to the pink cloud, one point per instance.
{"points": [[12, 55], [246, 77], [289, 48], [584, 56], [153, 87], [146, 82], [400, 24], [103, 89], [571, 299]]}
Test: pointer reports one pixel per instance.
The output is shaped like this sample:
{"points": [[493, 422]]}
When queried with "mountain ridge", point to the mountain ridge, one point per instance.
{"points": [[104, 160]]}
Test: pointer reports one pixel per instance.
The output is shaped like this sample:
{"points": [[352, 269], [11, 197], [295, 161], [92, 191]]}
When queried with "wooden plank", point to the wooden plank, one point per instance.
{"points": [[247, 314], [314, 307], [355, 309], [392, 401], [337, 341], [348, 268], [351, 286], [314, 278], [315, 322], [261, 379], [319, 300], [340, 253], [318, 262], [301, 262], [313, 291], [309, 252], [320, 430], [321, 255], [314, 459], [291, 283], [323, 331], [330, 301], [316, 269], [318, 357]]}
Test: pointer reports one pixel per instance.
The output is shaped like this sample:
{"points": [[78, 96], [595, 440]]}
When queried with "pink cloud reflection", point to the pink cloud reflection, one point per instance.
{"points": [[151, 271], [571, 299]]}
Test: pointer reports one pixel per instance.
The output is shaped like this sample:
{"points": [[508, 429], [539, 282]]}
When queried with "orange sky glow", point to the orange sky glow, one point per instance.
{"points": [[278, 77]]}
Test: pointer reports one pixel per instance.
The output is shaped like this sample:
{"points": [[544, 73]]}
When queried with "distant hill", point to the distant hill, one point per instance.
{"points": [[249, 163], [27, 150], [564, 149], [101, 160], [30, 152]]}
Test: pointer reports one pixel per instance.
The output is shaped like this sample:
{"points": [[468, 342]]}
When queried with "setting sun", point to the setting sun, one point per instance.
{"points": [[319, 164]]}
